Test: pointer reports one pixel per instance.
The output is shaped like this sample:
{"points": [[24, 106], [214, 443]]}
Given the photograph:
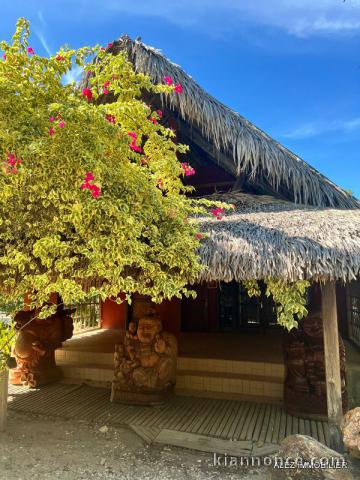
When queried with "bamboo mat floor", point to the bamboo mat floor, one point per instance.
{"points": [[225, 426]]}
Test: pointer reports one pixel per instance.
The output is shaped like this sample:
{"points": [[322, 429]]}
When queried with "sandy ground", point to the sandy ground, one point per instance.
{"points": [[37, 447], [45, 448]]}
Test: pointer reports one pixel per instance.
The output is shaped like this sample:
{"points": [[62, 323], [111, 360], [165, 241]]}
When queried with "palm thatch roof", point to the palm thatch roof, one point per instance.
{"points": [[237, 144], [264, 237]]}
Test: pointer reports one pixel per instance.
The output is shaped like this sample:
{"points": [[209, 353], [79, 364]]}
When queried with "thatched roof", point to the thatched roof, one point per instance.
{"points": [[237, 144], [264, 237]]}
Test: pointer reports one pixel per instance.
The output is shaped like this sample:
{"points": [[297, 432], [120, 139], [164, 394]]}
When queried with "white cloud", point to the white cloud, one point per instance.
{"points": [[314, 129], [297, 17]]}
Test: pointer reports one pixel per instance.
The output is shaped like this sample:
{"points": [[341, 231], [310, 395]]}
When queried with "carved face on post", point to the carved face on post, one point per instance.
{"points": [[148, 328]]}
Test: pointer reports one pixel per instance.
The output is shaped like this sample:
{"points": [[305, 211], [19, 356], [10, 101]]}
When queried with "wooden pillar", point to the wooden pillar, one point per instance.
{"points": [[332, 364], [4, 375]]}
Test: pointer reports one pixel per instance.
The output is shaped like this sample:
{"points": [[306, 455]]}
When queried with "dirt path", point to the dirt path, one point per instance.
{"points": [[44, 448]]}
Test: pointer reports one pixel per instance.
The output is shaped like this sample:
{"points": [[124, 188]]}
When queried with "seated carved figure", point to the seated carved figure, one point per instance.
{"points": [[34, 349], [145, 364]]}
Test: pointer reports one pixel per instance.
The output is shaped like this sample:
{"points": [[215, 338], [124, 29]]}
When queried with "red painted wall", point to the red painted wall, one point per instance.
{"points": [[170, 315], [113, 315]]}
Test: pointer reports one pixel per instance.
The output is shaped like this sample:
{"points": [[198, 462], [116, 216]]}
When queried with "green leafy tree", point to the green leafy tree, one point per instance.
{"points": [[92, 200]]}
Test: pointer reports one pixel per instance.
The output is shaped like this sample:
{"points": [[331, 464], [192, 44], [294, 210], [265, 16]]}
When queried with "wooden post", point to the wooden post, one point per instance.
{"points": [[332, 364], [4, 375]]}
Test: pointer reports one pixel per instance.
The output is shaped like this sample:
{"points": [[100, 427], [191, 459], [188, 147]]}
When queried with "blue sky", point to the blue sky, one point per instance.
{"points": [[290, 66]]}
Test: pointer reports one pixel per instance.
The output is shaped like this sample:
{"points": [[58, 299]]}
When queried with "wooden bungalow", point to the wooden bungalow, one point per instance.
{"points": [[290, 222]]}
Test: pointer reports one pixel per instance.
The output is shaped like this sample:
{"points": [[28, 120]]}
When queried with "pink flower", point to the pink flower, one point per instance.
{"points": [[12, 162], [135, 148], [153, 120], [60, 58], [89, 72], [4, 56], [51, 119], [178, 88], [160, 113], [110, 45], [168, 80], [188, 170], [105, 91], [87, 93], [217, 212], [61, 124], [95, 191], [51, 131], [30, 51], [110, 118], [198, 236], [132, 135]]}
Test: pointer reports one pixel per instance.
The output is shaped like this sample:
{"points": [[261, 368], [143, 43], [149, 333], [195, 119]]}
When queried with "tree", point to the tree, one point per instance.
{"points": [[92, 200]]}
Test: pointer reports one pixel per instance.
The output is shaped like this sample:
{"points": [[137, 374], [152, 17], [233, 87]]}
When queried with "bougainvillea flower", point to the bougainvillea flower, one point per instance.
{"points": [[168, 80], [30, 51], [89, 72], [4, 56], [160, 113], [153, 120], [88, 177], [61, 124], [87, 93], [188, 170], [51, 119], [198, 236], [132, 135], [217, 212], [60, 58], [95, 191], [110, 118], [12, 162], [135, 148], [51, 131], [178, 88], [110, 45]]}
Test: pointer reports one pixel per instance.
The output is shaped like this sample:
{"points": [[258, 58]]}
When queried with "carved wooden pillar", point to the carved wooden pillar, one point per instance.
{"points": [[332, 364]]}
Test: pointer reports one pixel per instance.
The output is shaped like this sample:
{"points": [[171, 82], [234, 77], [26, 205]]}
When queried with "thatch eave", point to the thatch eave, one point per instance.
{"points": [[265, 237]]}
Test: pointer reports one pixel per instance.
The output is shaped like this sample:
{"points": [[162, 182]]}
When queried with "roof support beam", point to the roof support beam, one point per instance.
{"points": [[332, 364]]}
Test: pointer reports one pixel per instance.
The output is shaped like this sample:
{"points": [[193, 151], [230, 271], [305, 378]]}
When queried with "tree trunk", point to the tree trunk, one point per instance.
{"points": [[4, 375]]}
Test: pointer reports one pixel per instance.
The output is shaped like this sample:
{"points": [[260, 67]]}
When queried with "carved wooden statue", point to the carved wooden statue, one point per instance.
{"points": [[305, 383], [145, 363], [35, 346]]}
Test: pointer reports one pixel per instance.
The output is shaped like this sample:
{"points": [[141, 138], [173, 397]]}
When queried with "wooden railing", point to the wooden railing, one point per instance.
{"points": [[87, 315]]}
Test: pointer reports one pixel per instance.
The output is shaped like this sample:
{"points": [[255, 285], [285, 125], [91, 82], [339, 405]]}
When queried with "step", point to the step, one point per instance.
{"points": [[67, 356], [243, 384], [97, 375], [232, 367]]}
